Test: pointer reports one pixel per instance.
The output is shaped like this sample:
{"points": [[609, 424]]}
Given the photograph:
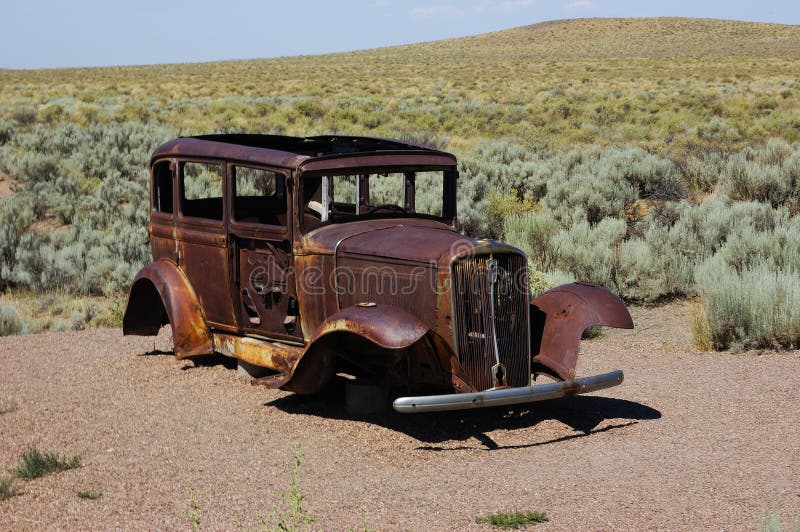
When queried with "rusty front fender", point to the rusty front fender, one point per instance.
{"points": [[161, 294], [383, 326], [559, 317]]}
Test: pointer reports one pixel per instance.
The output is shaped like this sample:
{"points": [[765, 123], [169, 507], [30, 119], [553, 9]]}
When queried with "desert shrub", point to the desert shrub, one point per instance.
{"points": [[541, 282], [701, 172], [15, 218], [6, 131], [778, 247], [88, 189], [770, 174], [50, 113], [531, 232], [756, 307], [110, 314], [24, 114], [10, 322], [425, 138], [699, 230], [513, 520], [590, 253], [502, 205], [591, 184], [605, 183], [718, 131], [640, 270], [82, 315]]}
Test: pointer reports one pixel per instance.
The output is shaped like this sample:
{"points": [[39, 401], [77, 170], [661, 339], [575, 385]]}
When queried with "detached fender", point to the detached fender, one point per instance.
{"points": [[559, 317], [383, 326], [161, 294]]}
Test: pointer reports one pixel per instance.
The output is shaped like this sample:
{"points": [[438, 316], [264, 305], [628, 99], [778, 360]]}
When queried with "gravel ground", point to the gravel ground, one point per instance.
{"points": [[689, 441]]}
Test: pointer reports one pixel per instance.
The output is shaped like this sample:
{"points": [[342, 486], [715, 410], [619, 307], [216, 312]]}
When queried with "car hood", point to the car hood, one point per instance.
{"points": [[398, 239]]}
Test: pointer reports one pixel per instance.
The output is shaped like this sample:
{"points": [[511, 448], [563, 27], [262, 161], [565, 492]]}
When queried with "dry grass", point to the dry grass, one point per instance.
{"points": [[702, 337], [58, 310], [656, 83]]}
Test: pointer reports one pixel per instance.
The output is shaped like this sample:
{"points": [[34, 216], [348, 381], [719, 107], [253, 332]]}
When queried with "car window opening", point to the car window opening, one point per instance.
{"points": [[345, 197]]}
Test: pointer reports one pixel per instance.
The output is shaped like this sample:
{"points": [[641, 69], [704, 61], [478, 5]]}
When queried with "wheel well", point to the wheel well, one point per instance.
{"points": [[424, 363], [145, 313]]}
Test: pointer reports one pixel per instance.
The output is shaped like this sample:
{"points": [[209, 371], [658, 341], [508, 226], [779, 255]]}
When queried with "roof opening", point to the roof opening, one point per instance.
{"points": [[314, 146]]}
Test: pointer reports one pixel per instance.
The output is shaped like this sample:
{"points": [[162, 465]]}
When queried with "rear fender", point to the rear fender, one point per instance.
{"points": [[161, 294], [558, 319]]}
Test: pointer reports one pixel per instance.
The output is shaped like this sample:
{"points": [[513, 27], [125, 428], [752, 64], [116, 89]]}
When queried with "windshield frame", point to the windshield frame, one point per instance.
{"points": [[449, 177]]}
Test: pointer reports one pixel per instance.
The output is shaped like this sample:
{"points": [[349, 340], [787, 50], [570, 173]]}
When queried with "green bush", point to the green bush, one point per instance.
{"points": [[590, 253], [531, 232], [770, 174], [10, 322], [753, 308], [88, 189]]}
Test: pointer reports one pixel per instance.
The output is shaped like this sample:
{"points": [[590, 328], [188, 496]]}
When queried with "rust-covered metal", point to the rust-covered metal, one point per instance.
{"points": [[371, 329], [394, 298], [559, 317], [274, 356], [385, 326], [161, 294]]}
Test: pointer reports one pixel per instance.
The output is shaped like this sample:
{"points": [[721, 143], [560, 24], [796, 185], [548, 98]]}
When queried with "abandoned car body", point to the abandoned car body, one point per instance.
{"points": [[312, 256]]}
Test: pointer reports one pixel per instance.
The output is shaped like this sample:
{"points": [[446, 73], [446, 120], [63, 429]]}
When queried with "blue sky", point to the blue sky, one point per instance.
{"points": [[51, 33]]}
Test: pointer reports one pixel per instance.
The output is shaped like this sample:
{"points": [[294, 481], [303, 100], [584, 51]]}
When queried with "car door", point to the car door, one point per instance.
{"points": [[201, 239], [260, 233]]}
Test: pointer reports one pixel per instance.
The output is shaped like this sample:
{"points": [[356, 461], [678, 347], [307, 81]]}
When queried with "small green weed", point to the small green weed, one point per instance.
{"points": [[194, 513], [365, 526], [592, 333], [7, 409], [7, 488], [513, 519], [770, 521], [294, 516], [37, 464], [89, 494]]}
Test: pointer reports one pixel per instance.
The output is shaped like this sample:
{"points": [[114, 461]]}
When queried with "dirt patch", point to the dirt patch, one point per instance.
{"points": [[689, 441], [6, 188]]}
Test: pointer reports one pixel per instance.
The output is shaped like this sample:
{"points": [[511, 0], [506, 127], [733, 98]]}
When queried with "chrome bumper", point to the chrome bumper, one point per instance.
{"points": [[506, 396]]}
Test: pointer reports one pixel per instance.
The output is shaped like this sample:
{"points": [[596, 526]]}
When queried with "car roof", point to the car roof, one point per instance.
{"points": [[315, 153]]}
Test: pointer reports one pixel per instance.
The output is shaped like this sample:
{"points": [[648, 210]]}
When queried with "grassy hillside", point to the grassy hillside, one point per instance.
{"points": [[610, 149], [649, 82]]}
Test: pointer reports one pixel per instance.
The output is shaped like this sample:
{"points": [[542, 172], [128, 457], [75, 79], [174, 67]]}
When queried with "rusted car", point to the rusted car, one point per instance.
{"points": [[311, 257]]}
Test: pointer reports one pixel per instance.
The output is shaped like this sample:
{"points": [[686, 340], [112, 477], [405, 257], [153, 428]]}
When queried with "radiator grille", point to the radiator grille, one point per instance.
{"points": [[473, 325]]}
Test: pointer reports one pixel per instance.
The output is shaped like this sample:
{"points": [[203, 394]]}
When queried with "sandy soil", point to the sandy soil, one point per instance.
{"points": [[5, 187], [689, 441]]}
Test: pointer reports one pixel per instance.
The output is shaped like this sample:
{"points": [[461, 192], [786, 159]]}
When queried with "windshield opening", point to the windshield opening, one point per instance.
{"points": [[353, 195]]}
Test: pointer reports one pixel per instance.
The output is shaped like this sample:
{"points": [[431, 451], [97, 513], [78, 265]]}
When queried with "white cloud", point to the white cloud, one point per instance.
{"points": [[383, 4], [580, 4]]}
